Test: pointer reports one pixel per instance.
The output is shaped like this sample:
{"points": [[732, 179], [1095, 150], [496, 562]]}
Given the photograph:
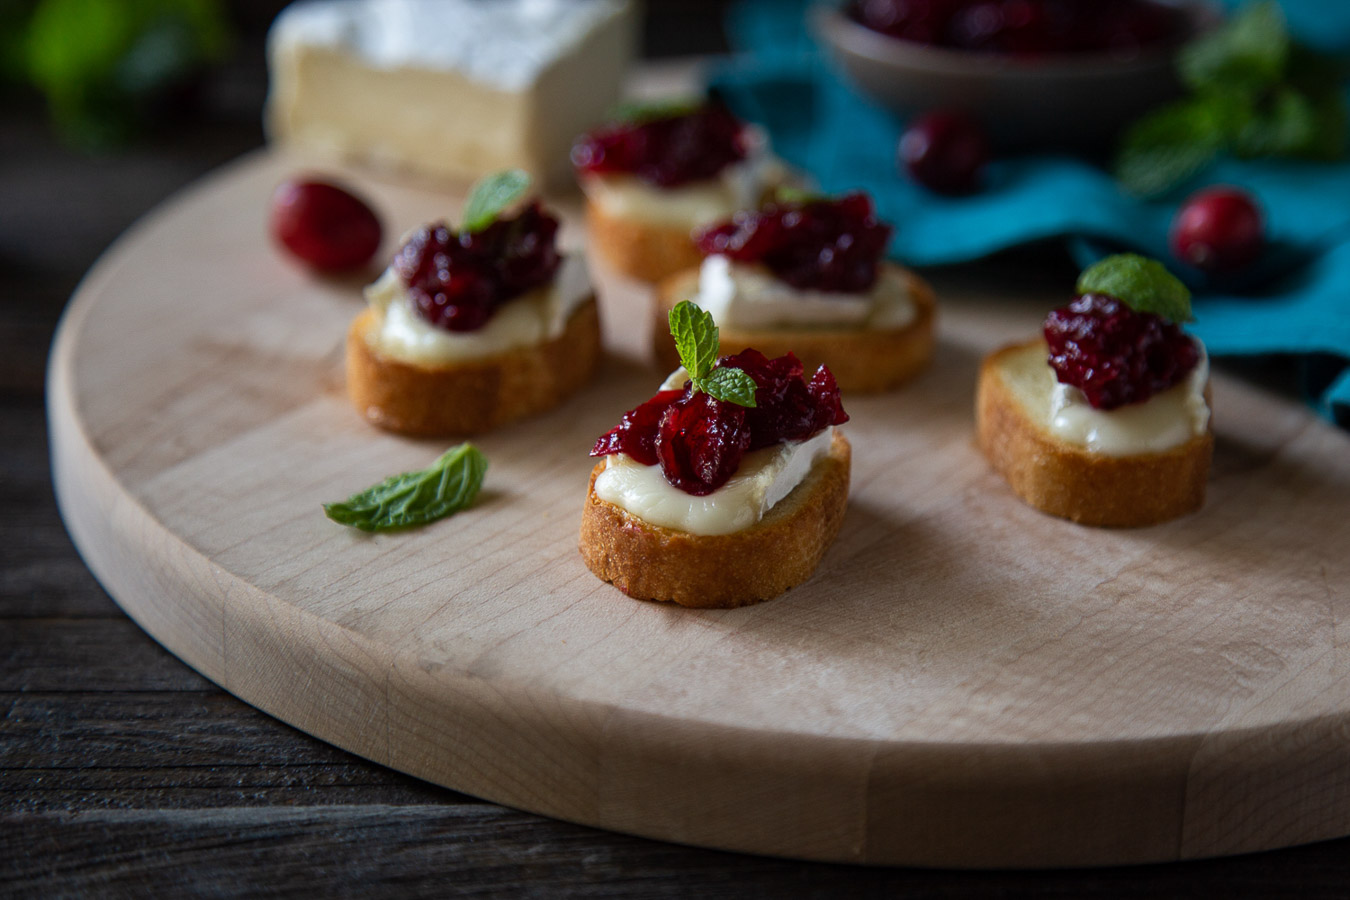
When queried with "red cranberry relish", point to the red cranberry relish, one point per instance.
{"points": [[821, 245], [699, 441], [1114, 354], [668, 151], [1023, 27], [458, 280]]}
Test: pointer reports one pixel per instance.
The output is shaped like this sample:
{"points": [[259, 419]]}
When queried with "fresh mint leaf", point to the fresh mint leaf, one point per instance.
{"points": [[1285, 125], [491, 195], [1173, 143], [639, 112], [729, 384], [696, 338], [447, 486], [1255, 93], [1249, 52], [1142, 283], [787, 193]]}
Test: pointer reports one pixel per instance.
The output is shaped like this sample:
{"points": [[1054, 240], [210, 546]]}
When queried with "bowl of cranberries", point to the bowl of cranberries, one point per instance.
{"points": [[1036, 74]]}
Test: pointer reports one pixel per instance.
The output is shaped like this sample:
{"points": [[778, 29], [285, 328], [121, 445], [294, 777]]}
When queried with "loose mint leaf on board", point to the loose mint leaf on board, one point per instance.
{"points": [[1248, 53], [447, 486], [731, 385], [491, 195], [1144, 284], [696, 338]]}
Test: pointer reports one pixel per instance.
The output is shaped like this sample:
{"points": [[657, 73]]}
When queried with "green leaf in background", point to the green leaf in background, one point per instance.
{"points": [[491, 195], [100, 63], [730, 385], [696, 338], [1171, 145], [1248, 53], [1255, 94], [1142, 283], [447, 486], [638, 112]]}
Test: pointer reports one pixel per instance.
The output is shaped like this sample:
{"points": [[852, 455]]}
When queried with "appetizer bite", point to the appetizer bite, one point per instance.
{"points": [[726, 487], [470, 329], [1106, 420], [661, 171], [805, 273]]}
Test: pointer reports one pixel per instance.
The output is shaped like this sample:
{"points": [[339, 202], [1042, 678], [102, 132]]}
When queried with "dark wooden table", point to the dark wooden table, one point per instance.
{"points": [[124, 773]]}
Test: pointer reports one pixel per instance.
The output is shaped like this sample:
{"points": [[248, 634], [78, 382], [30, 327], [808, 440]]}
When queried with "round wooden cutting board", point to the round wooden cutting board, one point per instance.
{"points": [[965, 682]]}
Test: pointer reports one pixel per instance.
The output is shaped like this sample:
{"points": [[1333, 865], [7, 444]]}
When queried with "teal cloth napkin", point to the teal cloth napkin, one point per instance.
{"points": [[1296, 301]]}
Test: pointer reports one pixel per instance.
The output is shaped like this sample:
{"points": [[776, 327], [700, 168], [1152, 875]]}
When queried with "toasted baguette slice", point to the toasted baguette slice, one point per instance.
{"points": [[649, 562], [641, 250], [474, 395], [1073, 482], [862, 360]]}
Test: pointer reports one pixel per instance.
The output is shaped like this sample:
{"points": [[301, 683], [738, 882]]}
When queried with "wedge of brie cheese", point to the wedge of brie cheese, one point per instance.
{"points": [[446, 88]]}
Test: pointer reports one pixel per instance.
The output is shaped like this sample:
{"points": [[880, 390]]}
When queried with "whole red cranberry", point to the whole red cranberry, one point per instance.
{"points": [[324, 225], [945, 152], [1218, 229]]}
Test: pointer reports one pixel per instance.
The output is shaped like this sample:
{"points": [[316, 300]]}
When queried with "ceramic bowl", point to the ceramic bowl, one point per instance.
{"points": [[1071, 101]]}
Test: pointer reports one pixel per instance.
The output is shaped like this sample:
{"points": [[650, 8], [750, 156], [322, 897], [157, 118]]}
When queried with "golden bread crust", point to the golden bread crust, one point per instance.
{"points": [[641, 250], [474, 395], [782, 550], [863, 361], [1074, 483]]}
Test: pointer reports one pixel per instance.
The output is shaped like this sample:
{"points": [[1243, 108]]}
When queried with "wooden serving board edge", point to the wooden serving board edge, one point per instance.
{"points": [[904, 803]]}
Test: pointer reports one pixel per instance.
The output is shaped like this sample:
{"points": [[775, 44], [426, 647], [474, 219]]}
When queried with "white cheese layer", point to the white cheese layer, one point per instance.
{"points": [[1164, 421], [502, 43], [765, 477], [739, 186], [530, 319], [749, 297]]}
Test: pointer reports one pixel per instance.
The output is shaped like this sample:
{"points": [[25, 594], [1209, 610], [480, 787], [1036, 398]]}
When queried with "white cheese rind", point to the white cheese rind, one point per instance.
{"points": [[527, 320], [749, 297], [1164, 421], [502, 43], [446, 88], [764, 478]]}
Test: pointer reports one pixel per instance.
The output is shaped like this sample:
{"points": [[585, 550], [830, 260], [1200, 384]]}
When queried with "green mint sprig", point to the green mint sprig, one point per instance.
{"points": [[1142, 283], [1254, 93], [696, 338], [447, 486], [789, 193], [639, 112], [492, 195]]}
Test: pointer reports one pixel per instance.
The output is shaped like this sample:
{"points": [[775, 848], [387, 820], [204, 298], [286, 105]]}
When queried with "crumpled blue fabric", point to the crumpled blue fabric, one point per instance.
{"points": [[1295, 302]]}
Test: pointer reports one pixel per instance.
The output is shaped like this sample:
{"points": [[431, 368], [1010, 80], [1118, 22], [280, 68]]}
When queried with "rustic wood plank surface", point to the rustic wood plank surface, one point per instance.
{"points": [[193, 793]]}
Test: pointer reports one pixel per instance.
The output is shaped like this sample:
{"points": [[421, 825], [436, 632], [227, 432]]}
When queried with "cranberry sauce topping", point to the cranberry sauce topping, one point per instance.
{"points": [[821, 245], [668, 151], [699, 441], [458, 280], [1023, 27], [1115, 355]]}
